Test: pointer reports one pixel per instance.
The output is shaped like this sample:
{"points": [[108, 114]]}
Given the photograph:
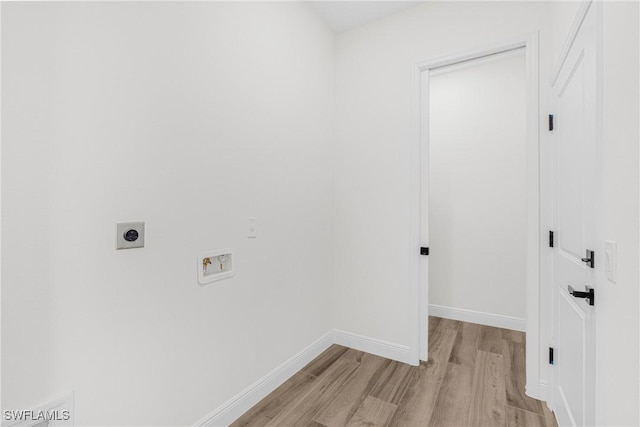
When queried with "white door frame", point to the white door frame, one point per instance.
{"points": [[419, 220]]}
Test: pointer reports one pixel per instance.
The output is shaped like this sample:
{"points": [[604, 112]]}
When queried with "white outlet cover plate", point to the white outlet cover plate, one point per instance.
{"points": [[204, 279]]}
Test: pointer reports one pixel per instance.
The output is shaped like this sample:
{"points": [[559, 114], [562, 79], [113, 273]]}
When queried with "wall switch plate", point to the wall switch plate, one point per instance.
{"points": [[129, 235], [611, 260], [252, 232]]}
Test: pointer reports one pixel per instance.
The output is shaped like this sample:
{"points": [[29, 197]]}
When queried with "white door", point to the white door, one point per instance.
{"points": [[574, 179]]}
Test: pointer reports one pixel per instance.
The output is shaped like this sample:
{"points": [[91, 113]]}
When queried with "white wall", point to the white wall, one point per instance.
{"points": [[374, 65], [617, 322], [191, 117], [477, 186], [618, 310]]}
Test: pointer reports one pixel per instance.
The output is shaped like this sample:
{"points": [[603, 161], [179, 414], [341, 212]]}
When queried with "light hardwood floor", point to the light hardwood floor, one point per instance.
{"points": [[474, 377]]}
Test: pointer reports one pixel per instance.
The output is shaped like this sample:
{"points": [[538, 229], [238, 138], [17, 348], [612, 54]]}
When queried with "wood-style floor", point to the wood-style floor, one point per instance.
{"points": [[475, 377]]}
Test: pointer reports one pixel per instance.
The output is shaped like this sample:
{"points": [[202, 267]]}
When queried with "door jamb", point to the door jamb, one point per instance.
{"points": [[419, 220]]}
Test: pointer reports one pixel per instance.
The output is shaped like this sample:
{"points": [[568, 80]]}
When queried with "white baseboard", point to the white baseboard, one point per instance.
{"points": [[471, 316], [232, 409], [537, 391], [371, 345]]}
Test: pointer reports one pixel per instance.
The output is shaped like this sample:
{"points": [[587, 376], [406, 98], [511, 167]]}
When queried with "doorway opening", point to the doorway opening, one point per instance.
{"points": [[524, 49]]}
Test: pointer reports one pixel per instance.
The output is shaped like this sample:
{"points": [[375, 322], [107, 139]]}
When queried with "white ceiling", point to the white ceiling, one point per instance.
{"points": [[345, 15]]}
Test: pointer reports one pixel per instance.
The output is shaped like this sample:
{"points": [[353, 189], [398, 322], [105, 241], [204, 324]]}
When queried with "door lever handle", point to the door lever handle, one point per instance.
{"points": [[589, 295], [590, 258]]}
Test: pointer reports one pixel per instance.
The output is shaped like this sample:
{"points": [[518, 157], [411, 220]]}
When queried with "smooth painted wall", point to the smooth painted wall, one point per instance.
{"points": [[191, 117], [374, 246], [478, 186], [617, 322]]}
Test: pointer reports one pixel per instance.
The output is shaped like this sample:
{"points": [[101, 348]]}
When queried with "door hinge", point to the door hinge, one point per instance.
{"points": [[424, 251], [550, 238], [550, 122], [551, 360]]}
